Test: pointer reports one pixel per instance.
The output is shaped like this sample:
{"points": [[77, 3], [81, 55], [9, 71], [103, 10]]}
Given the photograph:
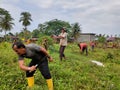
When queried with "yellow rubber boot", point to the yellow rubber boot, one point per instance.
{"points": [[30, 81], [50, 84]]}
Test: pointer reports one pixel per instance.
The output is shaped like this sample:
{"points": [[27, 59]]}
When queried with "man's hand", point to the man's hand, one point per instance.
{"points": [[32, 68], [50, 59]]}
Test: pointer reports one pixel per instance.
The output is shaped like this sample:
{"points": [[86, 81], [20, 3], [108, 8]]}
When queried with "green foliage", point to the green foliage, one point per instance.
{"points": [[25, 19], [76, 30], [54, 26], [75, 73], [3, 11], [110, 56], [49, 41], [6, 21], [35, 33], [101, 38], [42, 37]]}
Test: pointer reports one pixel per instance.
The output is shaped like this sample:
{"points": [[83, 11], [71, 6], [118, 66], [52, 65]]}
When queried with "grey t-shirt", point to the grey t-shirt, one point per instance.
{"points": [[32, 52]]}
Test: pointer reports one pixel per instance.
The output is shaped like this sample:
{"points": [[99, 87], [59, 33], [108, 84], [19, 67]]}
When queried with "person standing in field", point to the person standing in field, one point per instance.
{"points": [[92, 45], [39, 59], [45, 44], [83, 47], [63, 43]]}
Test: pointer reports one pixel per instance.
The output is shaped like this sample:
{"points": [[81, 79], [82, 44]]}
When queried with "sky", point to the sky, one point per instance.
{"points": [[94, 16]]}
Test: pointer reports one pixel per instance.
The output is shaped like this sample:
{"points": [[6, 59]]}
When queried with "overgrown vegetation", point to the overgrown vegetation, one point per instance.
{"points": [[75, 73]]}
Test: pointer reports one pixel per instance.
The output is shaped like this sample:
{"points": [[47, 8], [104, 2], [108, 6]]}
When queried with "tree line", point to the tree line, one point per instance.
{"points": [[48, 28]]}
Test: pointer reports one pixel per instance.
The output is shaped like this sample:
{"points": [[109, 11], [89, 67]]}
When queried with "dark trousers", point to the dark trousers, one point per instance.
{"points": [[92, 47], [85, 49], [42, 66], [61, 51]]}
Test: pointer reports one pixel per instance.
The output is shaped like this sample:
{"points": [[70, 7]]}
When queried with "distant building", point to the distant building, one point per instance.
{"points": [[86, 37], [110, 39]]}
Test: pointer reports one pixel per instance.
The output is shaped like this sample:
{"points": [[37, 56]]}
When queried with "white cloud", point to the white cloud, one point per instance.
{"points": [[9, 1], [94, 15], [41, 3]]}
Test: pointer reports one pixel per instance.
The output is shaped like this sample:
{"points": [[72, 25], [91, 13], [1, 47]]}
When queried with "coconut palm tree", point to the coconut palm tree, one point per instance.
{"points": [[3, 12], [6, 23], [25, 19]]}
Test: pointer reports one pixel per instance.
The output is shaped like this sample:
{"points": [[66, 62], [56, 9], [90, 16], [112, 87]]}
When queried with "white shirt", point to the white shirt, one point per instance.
{"points": [[63, 41]]}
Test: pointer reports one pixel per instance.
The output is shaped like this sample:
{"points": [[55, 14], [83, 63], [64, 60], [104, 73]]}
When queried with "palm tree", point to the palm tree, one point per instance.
{"points": [[3, 12], [25, 19], [6, 23]]}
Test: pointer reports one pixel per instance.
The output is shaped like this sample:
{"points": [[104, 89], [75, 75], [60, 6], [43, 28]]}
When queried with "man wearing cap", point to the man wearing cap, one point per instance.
{"points": [[63, 43]]}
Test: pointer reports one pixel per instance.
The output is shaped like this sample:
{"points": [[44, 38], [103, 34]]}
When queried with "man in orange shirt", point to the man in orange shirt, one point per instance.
{"points": [[83, 47]]}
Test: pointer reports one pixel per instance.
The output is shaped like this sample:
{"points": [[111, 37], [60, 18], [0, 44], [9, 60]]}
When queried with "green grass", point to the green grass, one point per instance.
{"points": [[75, 73]]}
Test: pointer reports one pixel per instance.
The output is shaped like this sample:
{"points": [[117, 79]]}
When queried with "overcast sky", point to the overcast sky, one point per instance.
{"points": [[94, 16]]}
